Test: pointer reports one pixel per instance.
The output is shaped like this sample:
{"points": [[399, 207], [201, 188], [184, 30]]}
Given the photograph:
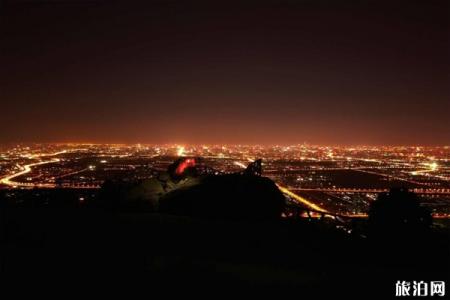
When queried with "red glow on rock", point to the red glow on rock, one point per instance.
{"points": [[190, 162]]}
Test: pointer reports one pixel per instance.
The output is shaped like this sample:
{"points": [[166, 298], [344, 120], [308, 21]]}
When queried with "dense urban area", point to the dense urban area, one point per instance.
{"points": [[336, 180]]}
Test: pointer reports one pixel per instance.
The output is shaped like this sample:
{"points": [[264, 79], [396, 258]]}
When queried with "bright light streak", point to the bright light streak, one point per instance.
{"points": [[301, 200], [238, 163]]}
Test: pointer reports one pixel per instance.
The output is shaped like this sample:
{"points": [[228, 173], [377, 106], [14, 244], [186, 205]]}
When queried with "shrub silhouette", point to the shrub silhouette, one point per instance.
{"points": [[398, 215]]}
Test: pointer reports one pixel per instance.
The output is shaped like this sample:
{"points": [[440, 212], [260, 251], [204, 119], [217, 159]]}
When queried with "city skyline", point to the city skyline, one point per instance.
{"points": [[184, 144]]}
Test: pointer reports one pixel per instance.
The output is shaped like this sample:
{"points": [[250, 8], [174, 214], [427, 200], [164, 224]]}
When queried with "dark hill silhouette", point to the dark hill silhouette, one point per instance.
{"points": [[125, 197], [231, 196]]}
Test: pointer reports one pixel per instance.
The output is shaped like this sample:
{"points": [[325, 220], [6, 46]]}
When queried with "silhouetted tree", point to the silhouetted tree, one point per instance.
{"points": [[398, 215]]}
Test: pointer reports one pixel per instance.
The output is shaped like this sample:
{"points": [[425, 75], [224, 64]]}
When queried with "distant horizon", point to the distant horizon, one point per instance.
{"points": [[219, 144]]}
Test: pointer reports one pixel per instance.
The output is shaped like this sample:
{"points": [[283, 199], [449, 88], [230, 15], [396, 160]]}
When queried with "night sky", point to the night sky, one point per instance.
{"points": [[280, 72]]}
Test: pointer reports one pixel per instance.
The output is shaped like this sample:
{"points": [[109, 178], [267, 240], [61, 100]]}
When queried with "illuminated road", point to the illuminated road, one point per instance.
{"points": [[8, 180], [294, 196], [315, 208], [365, 190], [301, 200]]}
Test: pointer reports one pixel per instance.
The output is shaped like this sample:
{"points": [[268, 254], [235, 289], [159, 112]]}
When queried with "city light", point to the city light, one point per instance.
{"points": [[324, 179], [180, 151]]}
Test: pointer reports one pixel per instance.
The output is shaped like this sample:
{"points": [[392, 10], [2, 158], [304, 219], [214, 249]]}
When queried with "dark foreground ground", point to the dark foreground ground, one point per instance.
{"points": [[72, 251]]}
